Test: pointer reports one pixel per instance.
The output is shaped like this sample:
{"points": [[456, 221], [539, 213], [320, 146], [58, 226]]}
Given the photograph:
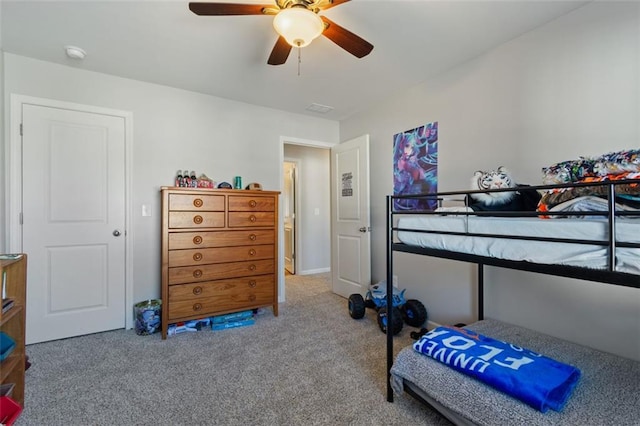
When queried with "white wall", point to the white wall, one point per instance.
{"points": [[314, 231], [173, 129], [3, 230], [567, 89]]}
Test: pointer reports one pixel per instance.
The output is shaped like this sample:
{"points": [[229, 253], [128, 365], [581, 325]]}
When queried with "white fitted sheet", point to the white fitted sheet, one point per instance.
{"points": [[592, 256]]}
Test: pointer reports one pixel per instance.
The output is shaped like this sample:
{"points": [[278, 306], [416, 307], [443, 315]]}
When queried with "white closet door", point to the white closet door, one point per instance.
{"points": [[73, 222]]}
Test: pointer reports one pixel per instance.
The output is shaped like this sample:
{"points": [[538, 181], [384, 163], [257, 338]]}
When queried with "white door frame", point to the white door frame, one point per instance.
{"points": [[13, 163], [284, 140]]}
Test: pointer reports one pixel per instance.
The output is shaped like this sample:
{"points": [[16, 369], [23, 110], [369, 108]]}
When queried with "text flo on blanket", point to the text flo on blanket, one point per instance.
{"points": [[535, 379]]}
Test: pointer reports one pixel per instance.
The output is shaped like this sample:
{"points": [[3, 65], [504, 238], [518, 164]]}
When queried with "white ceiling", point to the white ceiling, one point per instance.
{"points": [[163, 42]]}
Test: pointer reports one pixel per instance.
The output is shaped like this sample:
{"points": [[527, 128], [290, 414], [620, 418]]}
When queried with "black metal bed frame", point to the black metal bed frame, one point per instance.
{"points": [[609, 275]]}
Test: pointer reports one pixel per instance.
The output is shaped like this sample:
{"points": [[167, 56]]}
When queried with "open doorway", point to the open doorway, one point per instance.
{"points": [[309, 207], [312, 235]]}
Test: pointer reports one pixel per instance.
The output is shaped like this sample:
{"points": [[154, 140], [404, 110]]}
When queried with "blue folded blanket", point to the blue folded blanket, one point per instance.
{"points": [[537, 380]]}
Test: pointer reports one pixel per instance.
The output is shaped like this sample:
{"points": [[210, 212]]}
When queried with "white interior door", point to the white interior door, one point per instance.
{"points": [[290, 216], [350, 223], [73, 186]]}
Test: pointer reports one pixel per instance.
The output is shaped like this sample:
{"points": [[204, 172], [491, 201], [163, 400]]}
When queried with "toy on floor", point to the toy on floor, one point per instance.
{"points": [[188, 326], [233, 320], [412, 311]]}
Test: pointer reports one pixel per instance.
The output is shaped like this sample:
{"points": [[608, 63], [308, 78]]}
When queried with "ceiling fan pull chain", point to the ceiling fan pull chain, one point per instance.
{"points": [[299, 60]]}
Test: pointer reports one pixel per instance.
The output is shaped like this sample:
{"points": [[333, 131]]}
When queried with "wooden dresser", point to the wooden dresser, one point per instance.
{"points": [[219, 252]]}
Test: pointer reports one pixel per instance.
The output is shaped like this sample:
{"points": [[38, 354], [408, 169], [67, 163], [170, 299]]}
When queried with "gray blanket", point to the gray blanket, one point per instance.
{"points": [[608, 392]]}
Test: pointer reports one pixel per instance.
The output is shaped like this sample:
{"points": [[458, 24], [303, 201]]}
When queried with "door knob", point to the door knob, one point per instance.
{"points": [[363, 229], [116, 233]]}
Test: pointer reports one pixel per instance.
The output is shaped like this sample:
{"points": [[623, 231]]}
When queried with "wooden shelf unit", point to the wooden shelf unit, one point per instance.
{"points": [[13, 273]]}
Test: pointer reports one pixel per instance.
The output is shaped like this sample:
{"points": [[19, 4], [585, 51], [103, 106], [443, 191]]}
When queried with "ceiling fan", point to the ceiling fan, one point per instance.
{"points": [[297, 23]]}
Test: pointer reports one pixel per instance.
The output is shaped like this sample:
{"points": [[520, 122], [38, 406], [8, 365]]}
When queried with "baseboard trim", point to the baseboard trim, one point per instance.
{"points": [[314, 271]]}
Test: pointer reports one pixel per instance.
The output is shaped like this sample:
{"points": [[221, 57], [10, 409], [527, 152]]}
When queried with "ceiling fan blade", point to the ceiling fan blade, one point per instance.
{"points": [[280, 52], [328, 4], [208, 9], [350, 42]]}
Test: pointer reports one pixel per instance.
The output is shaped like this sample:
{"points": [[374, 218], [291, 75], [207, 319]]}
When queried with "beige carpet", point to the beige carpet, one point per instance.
{"points": [[311, 365]]}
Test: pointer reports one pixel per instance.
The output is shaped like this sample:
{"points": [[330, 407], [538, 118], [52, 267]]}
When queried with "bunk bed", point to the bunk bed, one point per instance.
{"points": [[601, 245]]}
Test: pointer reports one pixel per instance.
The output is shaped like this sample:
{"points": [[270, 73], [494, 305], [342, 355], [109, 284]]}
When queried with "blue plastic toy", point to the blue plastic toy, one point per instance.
{"points": [[410, 311]]}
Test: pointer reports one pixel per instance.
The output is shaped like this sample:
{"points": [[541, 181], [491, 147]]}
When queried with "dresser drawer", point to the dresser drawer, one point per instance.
{"points": [[248, 203], [203, 290], [245, 219], [196, 219], [187, 274], [219, 255], [198, 202], [187, 240], [205, 299]]}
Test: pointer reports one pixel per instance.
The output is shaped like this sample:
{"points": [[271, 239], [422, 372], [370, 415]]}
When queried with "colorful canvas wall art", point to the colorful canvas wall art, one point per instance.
{"points": [[415, 166]]}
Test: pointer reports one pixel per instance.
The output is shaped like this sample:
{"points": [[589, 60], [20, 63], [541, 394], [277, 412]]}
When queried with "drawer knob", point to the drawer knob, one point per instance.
{"points": [[197, 273], [252, 218], [197, 239], [252, 237], [198, 202], [252, 297], [252, 203], [252, 283], [252, 252], [197, 219], [252, 267], [197, 306], [197, 290], [197, 257]]}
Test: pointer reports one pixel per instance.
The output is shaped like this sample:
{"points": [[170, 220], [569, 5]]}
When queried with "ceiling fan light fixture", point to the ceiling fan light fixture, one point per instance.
{"points": [[298, 25]]}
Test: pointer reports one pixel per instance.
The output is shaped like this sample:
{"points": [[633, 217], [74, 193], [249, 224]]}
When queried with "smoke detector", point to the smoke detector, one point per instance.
{"points": [[75, 52]]}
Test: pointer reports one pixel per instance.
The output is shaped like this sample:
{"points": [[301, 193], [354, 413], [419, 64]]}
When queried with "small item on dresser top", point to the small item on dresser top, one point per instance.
{"points": [[179, 178], [205, 182], [237, 182], [186, 179], [254, 186], [225, 185], [194, 181]]}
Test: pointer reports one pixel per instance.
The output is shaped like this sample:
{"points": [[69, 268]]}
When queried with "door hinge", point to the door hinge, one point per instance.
{"points": [[21, 218], [21, 129]]}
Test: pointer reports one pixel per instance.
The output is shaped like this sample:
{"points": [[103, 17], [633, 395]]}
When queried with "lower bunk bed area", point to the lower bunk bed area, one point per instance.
{"points": [[606, 393]]}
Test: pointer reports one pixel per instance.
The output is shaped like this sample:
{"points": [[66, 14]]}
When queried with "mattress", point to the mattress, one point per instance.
{"points": [[608, 392], [560, 253]]}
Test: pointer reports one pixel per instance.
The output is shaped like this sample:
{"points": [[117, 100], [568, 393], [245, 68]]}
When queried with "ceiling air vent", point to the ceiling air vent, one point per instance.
{"points": [[320, 109]]}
